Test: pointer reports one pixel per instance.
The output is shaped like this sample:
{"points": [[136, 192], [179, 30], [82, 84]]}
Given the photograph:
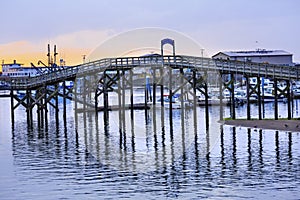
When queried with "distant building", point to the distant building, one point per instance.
{"points": [[278, 57], [16, 70]]}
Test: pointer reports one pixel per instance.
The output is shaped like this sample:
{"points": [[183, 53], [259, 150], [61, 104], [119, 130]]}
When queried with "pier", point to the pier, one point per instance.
{"points": [[159, 75]]}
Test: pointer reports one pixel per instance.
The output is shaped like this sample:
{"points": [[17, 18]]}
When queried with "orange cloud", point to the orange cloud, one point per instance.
{"points": [[70, 47], [25, 52]]}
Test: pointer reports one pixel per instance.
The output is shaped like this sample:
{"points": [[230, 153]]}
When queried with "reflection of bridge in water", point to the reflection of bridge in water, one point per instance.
{"points": [[185, 75]]}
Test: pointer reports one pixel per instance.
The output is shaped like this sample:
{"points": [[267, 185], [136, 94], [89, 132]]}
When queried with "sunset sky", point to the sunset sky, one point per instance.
{"points": [[77, 27]]}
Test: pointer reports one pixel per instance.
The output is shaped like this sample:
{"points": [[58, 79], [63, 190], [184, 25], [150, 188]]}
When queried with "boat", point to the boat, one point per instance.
{"points": [[22, 93], [268, 95], [296, 89], [176, 102]]}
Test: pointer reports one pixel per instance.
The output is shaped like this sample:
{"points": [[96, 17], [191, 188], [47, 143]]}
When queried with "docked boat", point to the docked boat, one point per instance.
{"points": [[296, 89], [176, 104], [175, 101], [269, 96]]}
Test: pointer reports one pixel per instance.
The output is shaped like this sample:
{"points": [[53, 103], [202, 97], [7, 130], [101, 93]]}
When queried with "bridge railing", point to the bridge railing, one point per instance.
{"points": [[259, 69], [31, 82]]}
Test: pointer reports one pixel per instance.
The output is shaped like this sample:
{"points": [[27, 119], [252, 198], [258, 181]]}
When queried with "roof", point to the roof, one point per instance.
{"points": [[12, 64], [258, 52]]}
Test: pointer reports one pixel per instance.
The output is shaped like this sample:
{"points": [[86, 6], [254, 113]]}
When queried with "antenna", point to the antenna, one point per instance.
{"points": [[49, 57], [83, 58], [55, 53]]}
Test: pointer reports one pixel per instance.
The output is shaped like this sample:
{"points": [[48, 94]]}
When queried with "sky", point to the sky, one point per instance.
{"points": [[77, 27]]}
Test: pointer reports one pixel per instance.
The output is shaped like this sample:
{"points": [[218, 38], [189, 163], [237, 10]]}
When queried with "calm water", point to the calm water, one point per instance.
{"points": [[147, 158]]}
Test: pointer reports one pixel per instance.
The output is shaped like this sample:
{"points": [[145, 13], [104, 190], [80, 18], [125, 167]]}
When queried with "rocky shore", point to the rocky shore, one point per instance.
{"points": [[280, 125]]}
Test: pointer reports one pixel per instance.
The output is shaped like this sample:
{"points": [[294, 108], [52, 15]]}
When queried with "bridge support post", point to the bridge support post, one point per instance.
{"points": [[38, 112], [75, 89], [131, 94], [161, 71], [181, 90], [45, 108], [56, 103], [206, 102], [275, 99], [84, 94], [12, 110], [259, 98], [37, 100], [64, 104], [232, 96], [171, 102], [154, 87], [39, 109], [120, 107], [221, 96], [162, 87], [96, 101], [105, 97], [123, 101], [42, 112], [248, 98], [29, 109], [195, 100], [289, 99], [146, 94]]}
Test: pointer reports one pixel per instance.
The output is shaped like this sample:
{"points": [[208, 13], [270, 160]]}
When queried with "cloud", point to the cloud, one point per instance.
{"points": [[70, 47]]}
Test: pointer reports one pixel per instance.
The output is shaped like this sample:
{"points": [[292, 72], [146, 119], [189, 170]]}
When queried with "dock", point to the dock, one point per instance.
{"points": [[139, 106]]}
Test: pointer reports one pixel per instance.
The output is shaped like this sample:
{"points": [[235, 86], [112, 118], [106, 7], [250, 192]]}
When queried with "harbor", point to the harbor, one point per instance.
{"points": [[158, 100], [170, 129], [154, 125], [108, 162]]}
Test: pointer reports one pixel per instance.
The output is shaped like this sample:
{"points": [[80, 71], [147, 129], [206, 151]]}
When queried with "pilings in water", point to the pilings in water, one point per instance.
{"points": [[257, 89], [39, 99], [163, 77]]}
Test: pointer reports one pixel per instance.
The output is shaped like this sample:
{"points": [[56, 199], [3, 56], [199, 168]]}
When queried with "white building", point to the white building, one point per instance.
{"points": [[16, 70], [278, 57]]}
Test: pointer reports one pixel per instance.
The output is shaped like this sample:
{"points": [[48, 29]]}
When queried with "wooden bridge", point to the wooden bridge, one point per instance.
{"points": [[99, 77], [249, 69]]}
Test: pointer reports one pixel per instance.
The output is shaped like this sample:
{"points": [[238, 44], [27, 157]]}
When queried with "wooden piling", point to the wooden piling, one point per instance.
{"points": [[248, 98], [259, 97], [288, 83], [275, 99], [12, 112], [232, 96]]}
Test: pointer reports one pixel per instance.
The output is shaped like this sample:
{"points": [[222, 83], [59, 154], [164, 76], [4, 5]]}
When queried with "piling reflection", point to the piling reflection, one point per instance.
{"points": [[249, 150], [234, 157], [261, 148], [277, 150], [145, 151], [136, 142], [290, 142]]}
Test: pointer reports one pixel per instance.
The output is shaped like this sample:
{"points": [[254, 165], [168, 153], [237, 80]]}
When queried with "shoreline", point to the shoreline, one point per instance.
{"points": [[280, 125]]}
